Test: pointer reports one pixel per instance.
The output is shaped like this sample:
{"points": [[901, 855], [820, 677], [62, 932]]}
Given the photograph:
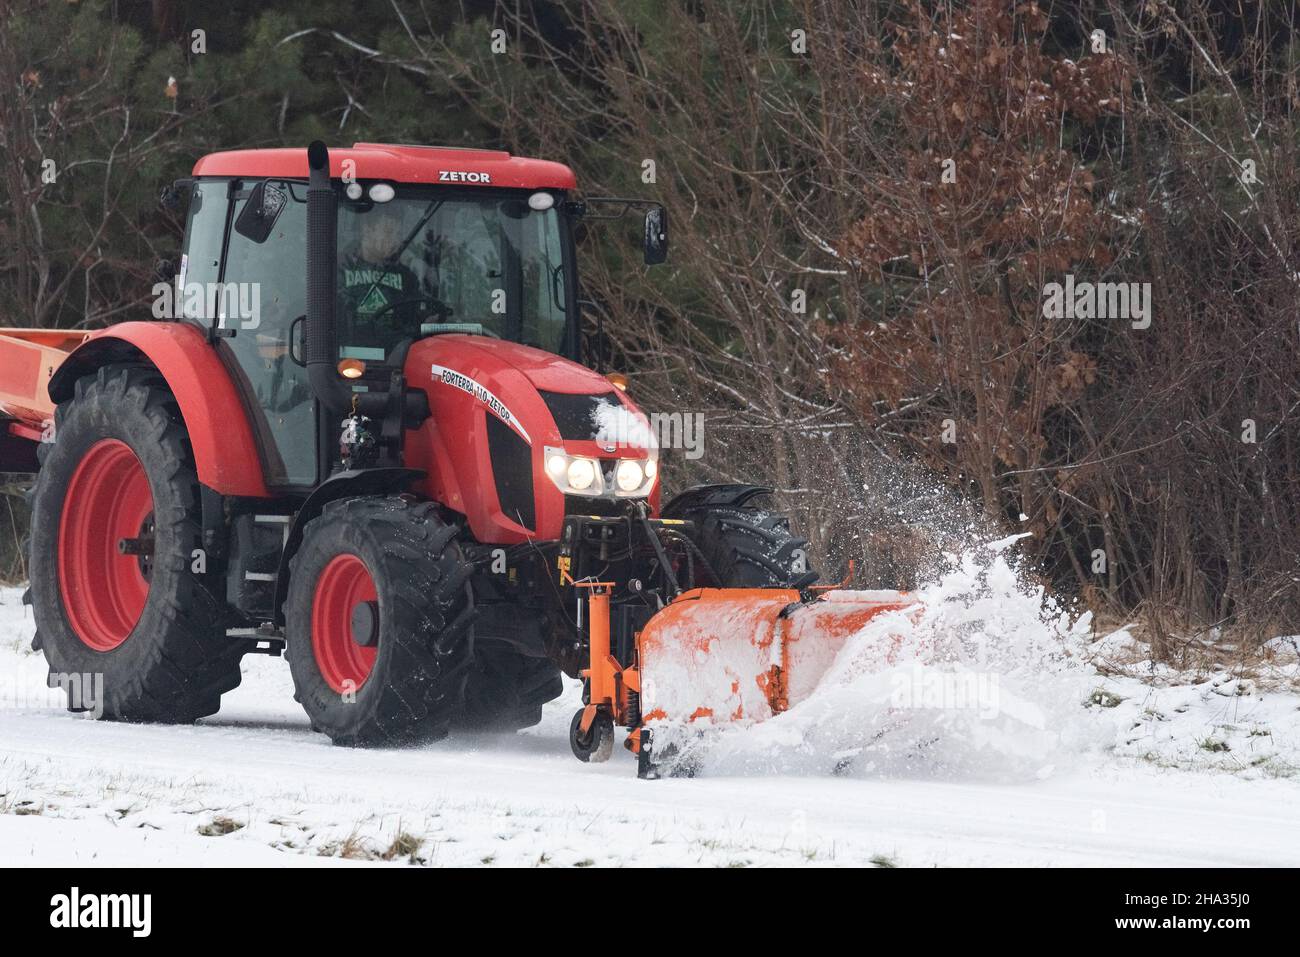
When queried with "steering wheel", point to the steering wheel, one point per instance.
{"points": [[439, 309]]}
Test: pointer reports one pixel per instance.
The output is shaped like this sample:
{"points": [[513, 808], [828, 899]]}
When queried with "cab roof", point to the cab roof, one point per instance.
{"points": [[399, 164]]}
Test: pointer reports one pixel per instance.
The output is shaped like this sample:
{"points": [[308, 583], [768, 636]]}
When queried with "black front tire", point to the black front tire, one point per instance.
{"points": [[415, 686]]}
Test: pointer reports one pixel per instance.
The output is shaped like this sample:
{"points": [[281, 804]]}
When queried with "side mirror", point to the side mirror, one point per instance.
{"points": [[261, 210], [656, 235]]}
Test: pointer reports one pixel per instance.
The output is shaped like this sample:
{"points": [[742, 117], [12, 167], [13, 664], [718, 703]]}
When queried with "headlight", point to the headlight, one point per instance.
{"points": [[557, 463], [581, 474], [574, 474], [586, 476], [629, 475], [635, 478]]}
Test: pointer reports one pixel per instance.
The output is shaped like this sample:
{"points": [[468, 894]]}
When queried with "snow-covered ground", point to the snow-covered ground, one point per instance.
{"points": [[1069, 768]]}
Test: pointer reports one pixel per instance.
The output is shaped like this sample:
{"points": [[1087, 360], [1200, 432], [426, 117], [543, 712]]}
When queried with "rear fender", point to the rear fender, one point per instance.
{"points": [[225, 450]]}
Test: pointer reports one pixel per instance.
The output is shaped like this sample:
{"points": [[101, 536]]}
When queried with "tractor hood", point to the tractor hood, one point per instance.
{"points": [[542, 397], [545, 370], [500, 412]]}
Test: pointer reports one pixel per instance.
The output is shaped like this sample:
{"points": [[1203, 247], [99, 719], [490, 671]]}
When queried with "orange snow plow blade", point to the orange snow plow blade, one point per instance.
{"points": [[719, 656], [743, 655]]}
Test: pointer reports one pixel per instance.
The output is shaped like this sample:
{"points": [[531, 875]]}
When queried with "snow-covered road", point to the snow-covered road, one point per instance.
{"points": [[253, 785], [112, 793]]}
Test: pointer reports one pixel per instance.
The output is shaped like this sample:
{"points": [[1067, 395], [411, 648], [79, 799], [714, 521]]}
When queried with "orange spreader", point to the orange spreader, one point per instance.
{"points": [[28, 357]]}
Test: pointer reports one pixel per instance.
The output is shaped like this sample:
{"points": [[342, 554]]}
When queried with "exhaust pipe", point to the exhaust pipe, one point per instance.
{"points": [[320, 346]]}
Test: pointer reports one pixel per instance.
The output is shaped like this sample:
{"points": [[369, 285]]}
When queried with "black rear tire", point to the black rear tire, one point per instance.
{"points": [[415, 685], [748, 548], [176, 661]]}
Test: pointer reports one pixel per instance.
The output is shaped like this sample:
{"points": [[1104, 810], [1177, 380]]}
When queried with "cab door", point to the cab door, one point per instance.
{"points": [[263, 293]]}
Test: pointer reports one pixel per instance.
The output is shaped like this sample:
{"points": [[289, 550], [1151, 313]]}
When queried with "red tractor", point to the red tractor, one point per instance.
{"points": [[376, 450]]}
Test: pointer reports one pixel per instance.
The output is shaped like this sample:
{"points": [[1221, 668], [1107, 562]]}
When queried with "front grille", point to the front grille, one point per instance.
{"points": [[575, 415], [601, 507]]}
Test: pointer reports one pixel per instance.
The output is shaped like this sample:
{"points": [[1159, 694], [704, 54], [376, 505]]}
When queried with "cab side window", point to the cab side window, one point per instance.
{"points": [[200, 267], [264, 289]]}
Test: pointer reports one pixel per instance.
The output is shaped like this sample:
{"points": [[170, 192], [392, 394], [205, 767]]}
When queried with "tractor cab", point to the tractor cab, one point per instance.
{"points": [[424, 241]]}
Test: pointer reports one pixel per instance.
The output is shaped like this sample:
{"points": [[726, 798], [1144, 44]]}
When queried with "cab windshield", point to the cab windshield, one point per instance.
{"points": [[428, 261]]}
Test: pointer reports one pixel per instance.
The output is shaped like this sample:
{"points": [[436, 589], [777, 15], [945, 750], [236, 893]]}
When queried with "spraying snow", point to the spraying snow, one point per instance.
{"points": [[985, 682]]}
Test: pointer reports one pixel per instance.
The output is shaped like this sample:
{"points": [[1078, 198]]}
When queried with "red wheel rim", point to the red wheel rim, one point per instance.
{"points": [[344, 584], [104, 591]]}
